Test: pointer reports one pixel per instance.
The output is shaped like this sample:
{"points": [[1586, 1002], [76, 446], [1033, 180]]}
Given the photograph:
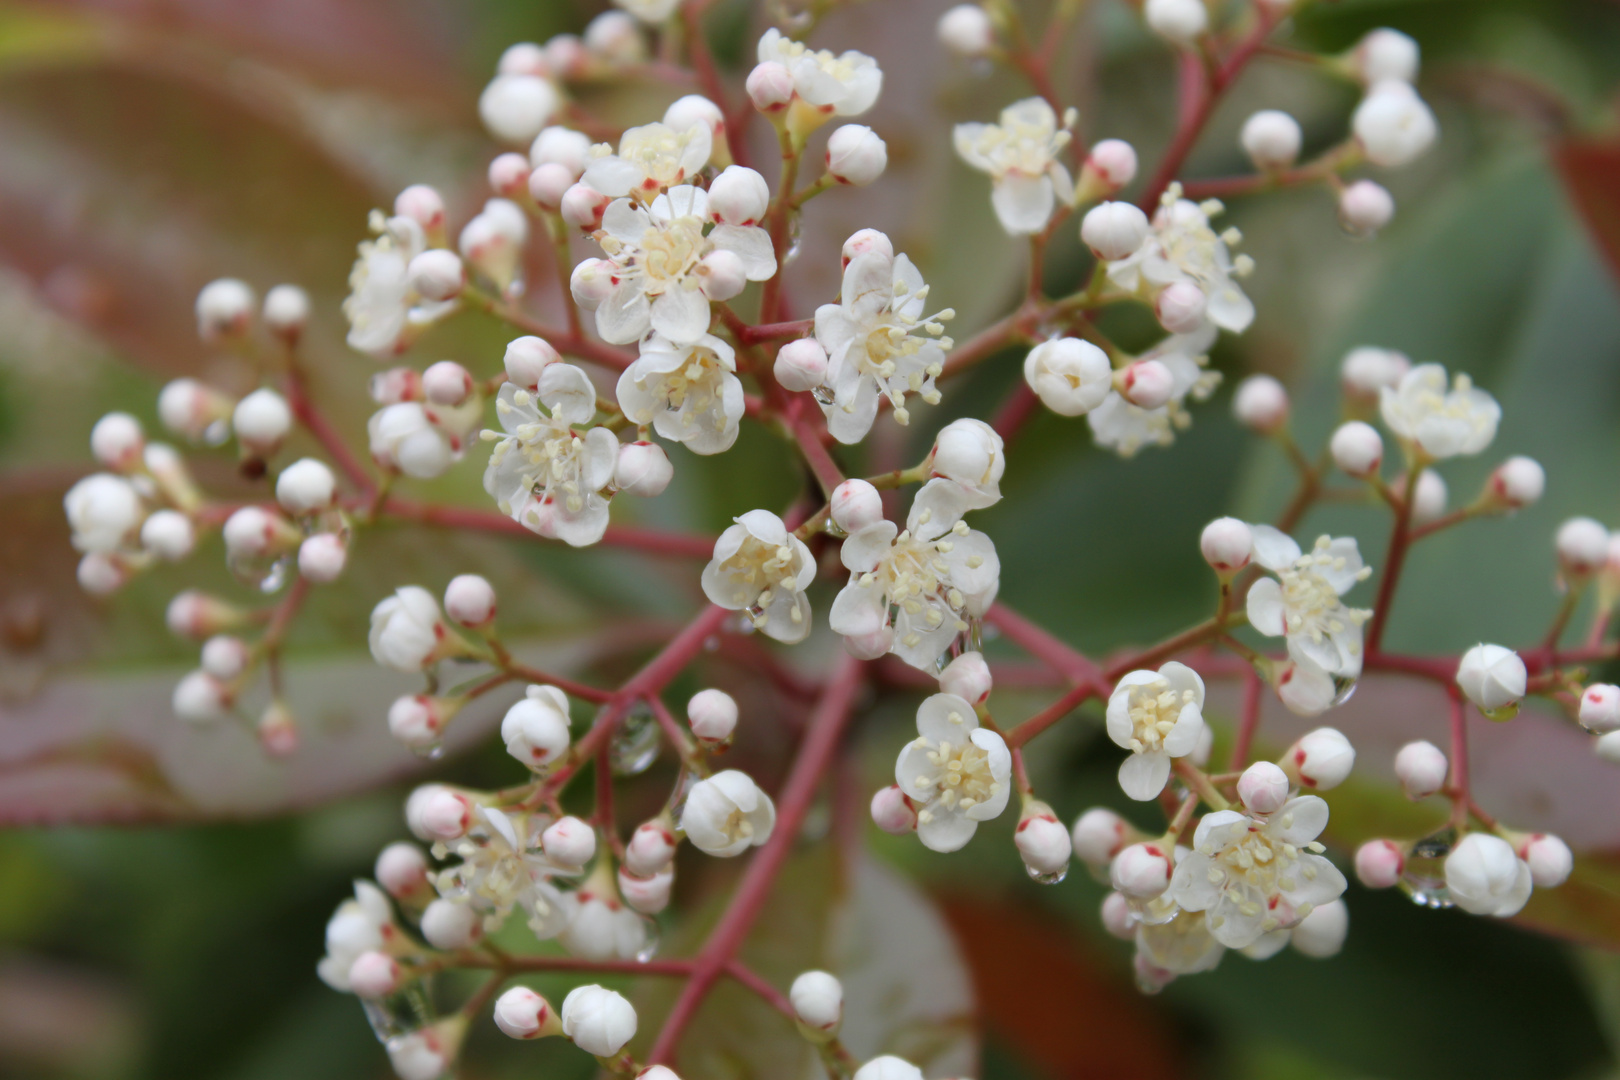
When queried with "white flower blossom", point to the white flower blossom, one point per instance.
{"points": [[1021, 156], [503, 867], [599, 1021], [1170, 943], [918, 588], [385, 314], [846, 85], [688, 393], [1156, 715], [600, 926], [727, 814], [1484, 876], [650, 159], [957, 772], [1440, 423], [1183, 246], [102, 510], [1118, 425], [762, 569], [361, 925], [1303, 602]]}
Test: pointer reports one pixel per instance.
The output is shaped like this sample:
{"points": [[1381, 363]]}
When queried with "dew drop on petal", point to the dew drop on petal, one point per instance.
{"points": [[1046, 879], [635, 745]]}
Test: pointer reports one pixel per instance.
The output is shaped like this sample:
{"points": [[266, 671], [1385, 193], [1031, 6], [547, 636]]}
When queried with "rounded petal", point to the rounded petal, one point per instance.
{"points": [[1143, 776]]}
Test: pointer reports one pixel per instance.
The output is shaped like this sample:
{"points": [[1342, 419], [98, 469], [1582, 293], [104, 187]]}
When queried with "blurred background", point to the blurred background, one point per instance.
{"points": [[163, 890]]}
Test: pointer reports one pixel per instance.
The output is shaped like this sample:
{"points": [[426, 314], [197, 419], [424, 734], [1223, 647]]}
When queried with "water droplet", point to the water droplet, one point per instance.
{"points": [[429, 752], [401, 1013], [216, 433], [795, 231], [824, 395], [975, 635], [635, 745], [266, 575], [1045, 879], [1426, 891], [649, 947], [1343, 689]]}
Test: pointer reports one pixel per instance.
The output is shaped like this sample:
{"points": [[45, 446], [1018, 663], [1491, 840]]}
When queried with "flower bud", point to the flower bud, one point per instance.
{"points": [[509, 175], [651, 849], [1365, 207], [1070, 376], [450, 925], [801, 365], [514, 108], [1113, 230], [643, 469], [712, 714], [1493, 678], [374, 975], [261, 422], [168, 534], [966, 30], [1263, 787], [1600, 708], [695, 110], [437, 274], [866, 242], [469, 600], [535, 729], [1429, 501], [1179, 22], [1368, 370], [286, 311], [189, 408], [891, 812], [738, 196], [1147, 384], [721, 275], [526, 359], [1043, 843], [1272, 139], [1227, 544], [224, 309], [321, 557], [225, 657], [972, 454], [599, 1021], [1379, 864], [1517, 482], [492, 241], [1114, 162], [582, 207], [1385, 54], [434, 812], [1393, 124], [1118, 918], [423, 205], [614, 36], [200, 698], [1549, 858], [117, 442], [1321, 933], [447, 383], [253, 532], [402, 869], [888, 1067], [870, 645], [818, 1001], [569, 843], [1357, 449], [548, 183], [1261, 404], [524, 58], [855, 505], [770, 87], [856, 155], [1098, 836], [521, 1013], [395, 386], [592, 282], [1320, 760], [968, 677], [195, 615], [418, 720], [1607, 747], [1421, 768], [1180, 307], [566, 57], [277, 730], [1141, 871], [425, 1054], [648, 895], [1485, 876], [305, 486], [1583, 546]]}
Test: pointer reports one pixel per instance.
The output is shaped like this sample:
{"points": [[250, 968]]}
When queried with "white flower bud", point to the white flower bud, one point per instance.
{"points": [[727, 814], [1118, 918], [712, 714], [1583, 546], [305, 486], [1365, 207], [426, 1053], [189, 408], [1263, 787], [1321, 933], [1147, 384], [651, 849], [1180, 307], [1493, 678], [402, 869], [117, 442], [1549, 858], [1379, 864], [224, 309], [856, 155], [1321, 759], [1113, 230], [406, 633], [447, 383], [225, 657], [966, 30], [1179, 22], [286, 311], [418, 720], [261, 422], [168, 534], [524, 58], [434, 812], [509, 175], [866, 242], [1368, 370], [1357, 449], [648, 895], [721, 275], [321, 557], [770, 87], [514, 108], [582, 207], [526, 359], [395, 385], [1518, 482], [695, 110], [738, 196], [102, 510], [888, 1067], [1393, 124], [566, 57], [405, 439], [374, 975], [492, 241], [855, 505], [1600, 708], [195, 615], [1114, 160], [1043, 843], [253, 532], [549, 183], [423, 205], [599, 1021], [1227, 544], [818, 1001], [592, 282], [1421, 768], [277, 730], [450, 925], [870, 645], [1607, 747], [200, 698], [968, 677], [1261, 404], [521, 1013], [1098, 836], [535, 730], [569, 842], [1070, 376], [1429, 501], [970, 453], [891, 812], [801, 365], [1484, 876], [614, 36], [1141, 871], [1272, 139], [469, 600], [1385, 54], [437, 274], [643, 469]]}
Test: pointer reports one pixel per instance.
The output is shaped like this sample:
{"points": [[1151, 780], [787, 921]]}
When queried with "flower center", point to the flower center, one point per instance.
{"points": [[1154, 709], [756, 572], [669, 252], [964, 776]]}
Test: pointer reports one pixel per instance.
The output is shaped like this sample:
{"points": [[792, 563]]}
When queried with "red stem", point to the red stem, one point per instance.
{"points": [[315, 421], [1070, 663], [752, 979], [753, 335], [1015, 412], [828, 474], [1400, 539], [1050, 715], [1249, 721], [622, 536], [1459, 750]]}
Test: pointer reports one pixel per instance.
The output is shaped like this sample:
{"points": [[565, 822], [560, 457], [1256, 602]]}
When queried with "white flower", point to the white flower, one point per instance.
{"points": [[1118, 425], [102, 510], [404, 438], [651, 158], [1493, 677], [1070, 376], [925, 582], [1021, 156], [727, 814], [1485, 877], [760, 568], [1439, 422], [599, 1021], [1303, 602], [384, 313], [503, 867], [1253, 874], [515, 107], [1321, 934], [688, 393], [1183, 246], [972, 455], [1393, 124], [877, 342], [847, 84], [657, 255], [1180, 944], [888, 1067], [406, 631], [1157, 716], [545, 475], [957, 772], [361, 925], [521, 1013], [492, 242]]}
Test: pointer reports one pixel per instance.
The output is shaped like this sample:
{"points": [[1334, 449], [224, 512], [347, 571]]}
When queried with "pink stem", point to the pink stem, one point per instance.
{"points": [[1015, 412], [315, 421], [623, 536], [1070, 663], [1250, 720], [751, 979]]}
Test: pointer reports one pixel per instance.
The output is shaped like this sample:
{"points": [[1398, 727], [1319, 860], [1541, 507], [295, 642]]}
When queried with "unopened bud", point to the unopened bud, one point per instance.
{"points": [[168, 534], [1043, 843], [856, 155], [434, 812], [1321, 933], [738, 196], [261, 421], [437, 274], [1113, 161], [582, 207], [418, 720], [1493, 678], [643, 469], [1365, 207], [1113, 230], [651, 849], [548, 184], [1517, 482], [866, 242], [374, 975], [189, 408], [509, 175], [521, 1013], [514, 108], [199, 698], [1320, 760], [1583, 546], [855, 505], [423, 205], [966, 31], [396, 385], [305, 486], [891, 811], [1429, 498], [818, 1001], [614, 36], [1147, 384], [1263, 787], [1357, 449], [224, 309], [527, 359], [1600, 708], [402, 869], [801, 365], [447, 383], [648, 895], [1549, 858], [1272, 139], [1227, 544], [1180, 307], [117, 442], [1261, 404], [712, 714], [1118, 918], [721, 275], [1179, 22], [968, 677], [450, 925], [569, 843], [1379, 864], [321, 557], [770, 87], [1421, 768], [469, 600], [592, 282], [1141, 871], [225, 657], [1367, 370], [1385, 54], [1098, 836], [195, 615]]}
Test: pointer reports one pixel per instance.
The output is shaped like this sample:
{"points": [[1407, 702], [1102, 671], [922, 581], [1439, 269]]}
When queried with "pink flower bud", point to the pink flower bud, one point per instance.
{"points": [[1113, 230], [721, 275], [396, 385], [712, 714], [1600, 708], [447, 383], [801, 365], [1365, 207], [1141, 871], [1043, 843], [423, 205], [199, 698], [582, 207], [592, 282], [253, 532], [871, 644], [509, 175], [434, 812], [867, 242], [1147, 384], [1357, 449], [643, 469], [614, 36], [277, 730], [1180, 307], [195, 615], [738, 196], [437, 274], [648, 895], [524, 58], [189, 408], [1227, 544], [469, 600], [569, 842], [321, 557], [1118, 918], [968, 677], [225, 657], [856, 155], [892, 812], [1549, 858], [549, 183], [418, 720], [855, 505], [402, 869], [521, 1013], [1263, 787], [224, 309], [526, 359], [1261, 404], [374, 975], [1583, 546], [1321, 759], [1379, 864], [450, 925], [117, 442], [566, 57], [1114, 160], [651, 849], [770, 87], [1421, 768]]}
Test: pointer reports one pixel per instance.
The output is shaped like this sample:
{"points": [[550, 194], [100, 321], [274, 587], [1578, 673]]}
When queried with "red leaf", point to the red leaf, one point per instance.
{"points": [[1591, 169]]}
